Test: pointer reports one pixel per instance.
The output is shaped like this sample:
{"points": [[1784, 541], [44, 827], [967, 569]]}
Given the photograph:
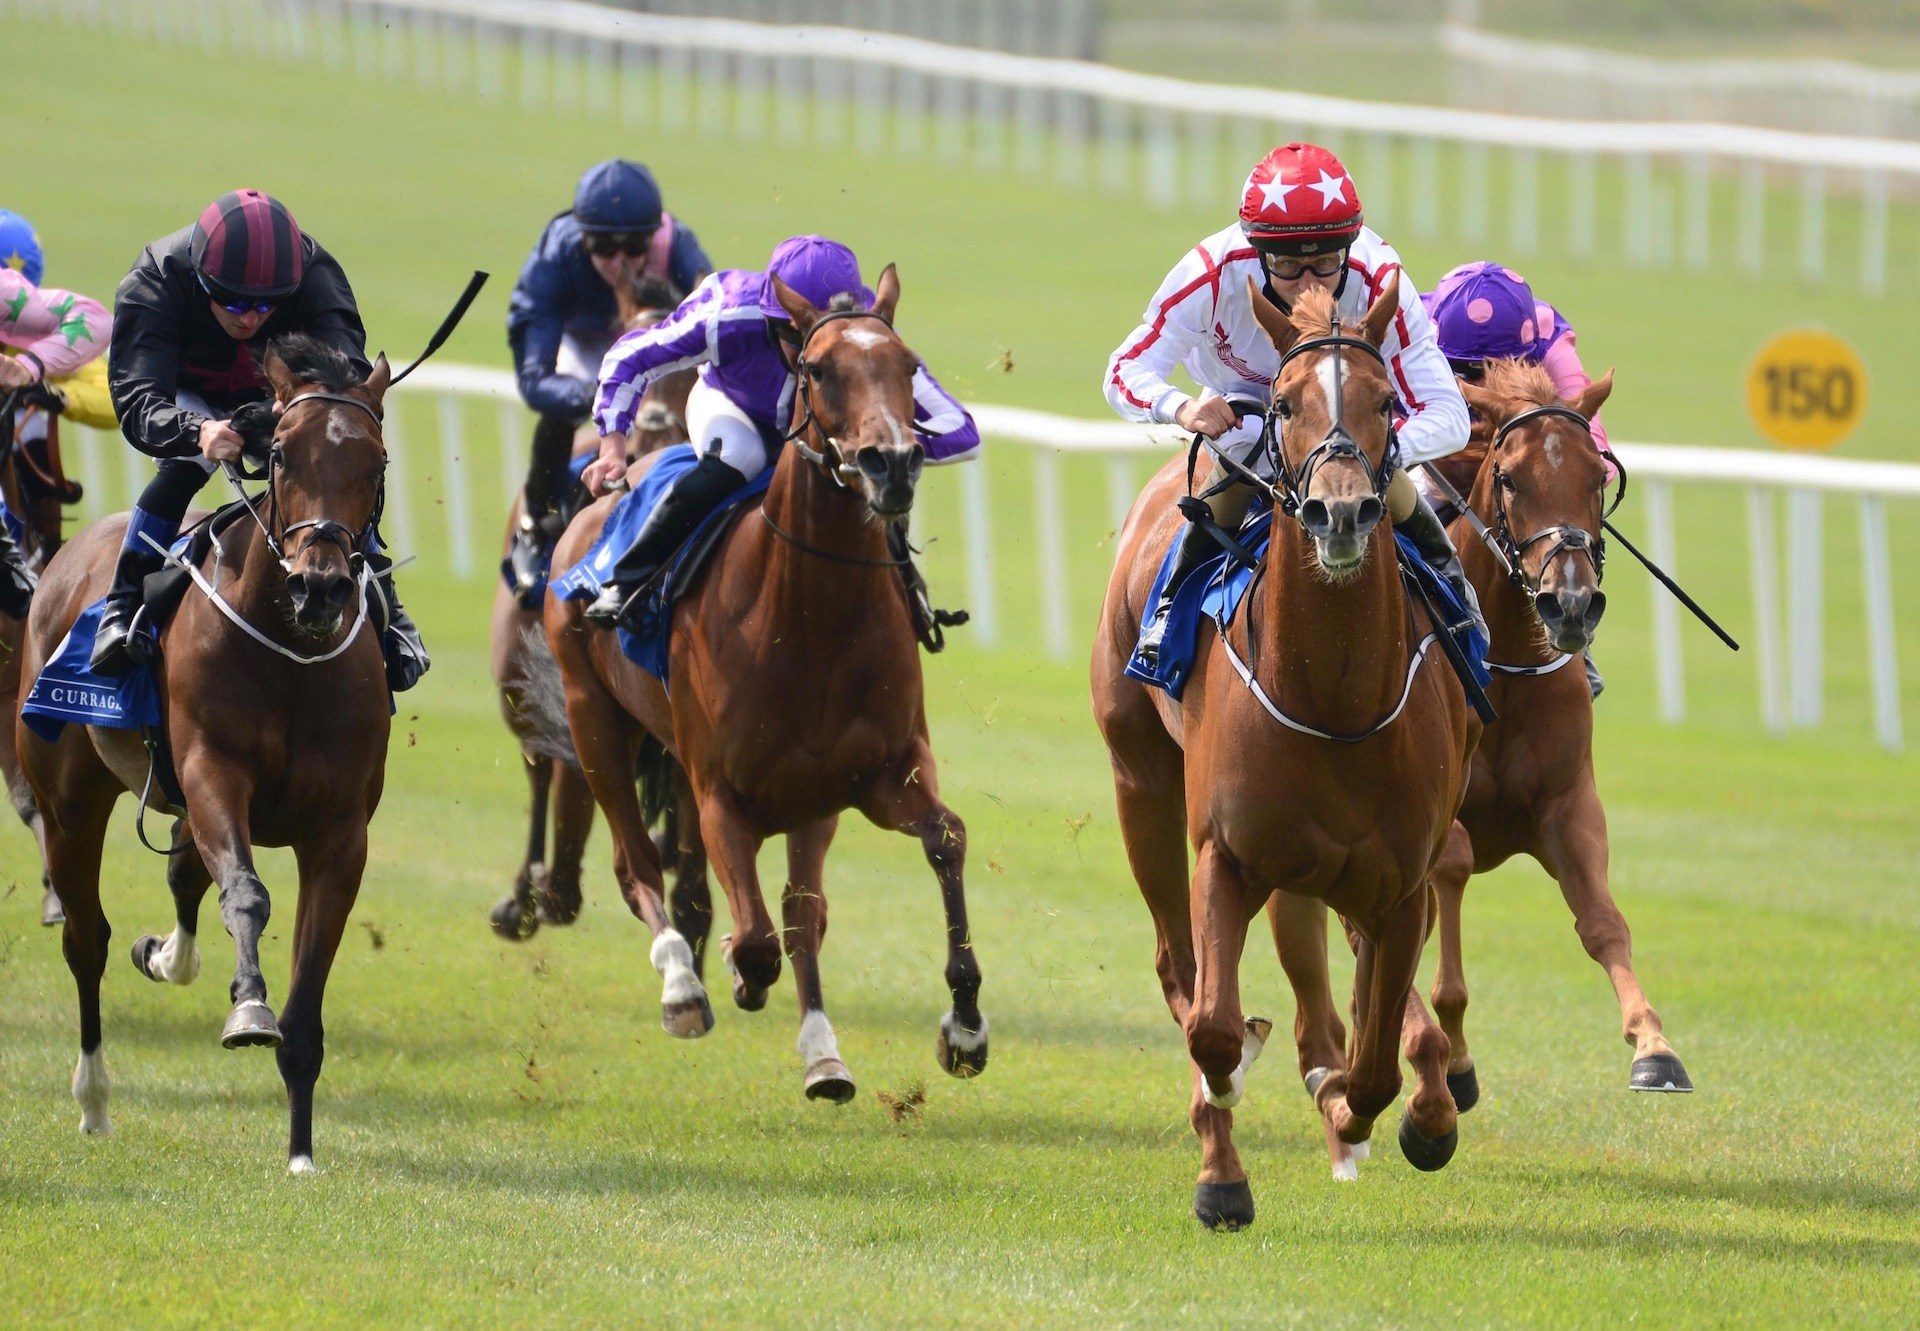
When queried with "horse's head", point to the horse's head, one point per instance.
{"points": [[1331, 417], [1546, 486], [326, 474], [855, 396]]}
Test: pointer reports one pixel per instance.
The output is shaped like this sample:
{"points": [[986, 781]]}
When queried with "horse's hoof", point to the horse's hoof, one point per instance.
{"points": [[1426, 1154], [558, 911], [962, 1053], [829, 1080], [1464, 1087], [688, 1020], [748, 997], [250, 1023], [51, 911], [301, 1164], [1223, 1205], [1660, 1072], [143, 949], [514, 920]]}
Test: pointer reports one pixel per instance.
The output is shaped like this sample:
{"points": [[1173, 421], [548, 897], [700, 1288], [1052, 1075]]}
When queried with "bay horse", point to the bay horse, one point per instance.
{"points": [[546, 888], [35, 488], [1326, 773], [276, 706], [1536, 481], [797, 694]]}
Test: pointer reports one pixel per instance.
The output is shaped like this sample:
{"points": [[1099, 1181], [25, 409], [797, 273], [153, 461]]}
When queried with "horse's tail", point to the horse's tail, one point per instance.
{"points": [[542, 699]]}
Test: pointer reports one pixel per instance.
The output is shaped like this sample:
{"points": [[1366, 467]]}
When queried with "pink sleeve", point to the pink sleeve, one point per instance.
{"points": [[60, 330], [1570, 379]]}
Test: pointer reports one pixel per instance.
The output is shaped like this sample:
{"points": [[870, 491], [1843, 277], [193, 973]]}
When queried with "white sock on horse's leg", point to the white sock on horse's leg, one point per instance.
{"points": [[672, 956], [177, 960], [90, 1086], [817, 1041]]}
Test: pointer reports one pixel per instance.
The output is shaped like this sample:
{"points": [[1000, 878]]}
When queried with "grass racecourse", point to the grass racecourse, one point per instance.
{"points": [[507, 1138]]}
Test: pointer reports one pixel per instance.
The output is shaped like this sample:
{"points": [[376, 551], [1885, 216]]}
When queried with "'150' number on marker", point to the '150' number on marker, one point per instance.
{"points": [[1803, 391]]}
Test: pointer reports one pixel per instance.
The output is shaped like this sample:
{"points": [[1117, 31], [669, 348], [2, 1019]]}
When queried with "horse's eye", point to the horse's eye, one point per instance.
{"points": [[1283, 408], [1506, 483]]}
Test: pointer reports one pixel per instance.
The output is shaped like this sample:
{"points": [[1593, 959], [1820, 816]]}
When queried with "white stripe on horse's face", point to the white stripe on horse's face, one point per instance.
{"points": [[1328, 384], [1553, 449], [338, 429], [864, 338]]}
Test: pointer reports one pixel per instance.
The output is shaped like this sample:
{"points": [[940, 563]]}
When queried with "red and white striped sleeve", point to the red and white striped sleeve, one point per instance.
{"points": [[1175, 323]]}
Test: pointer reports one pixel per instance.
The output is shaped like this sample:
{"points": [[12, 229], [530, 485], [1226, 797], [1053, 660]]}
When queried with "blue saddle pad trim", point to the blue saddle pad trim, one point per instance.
{"points": [[69, 693], [576, 468], [647, 648], [1215, 588]]}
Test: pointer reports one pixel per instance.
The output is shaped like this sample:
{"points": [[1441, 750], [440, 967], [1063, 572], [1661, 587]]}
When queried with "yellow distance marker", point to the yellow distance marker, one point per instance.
{"points": [[1807, 389]]}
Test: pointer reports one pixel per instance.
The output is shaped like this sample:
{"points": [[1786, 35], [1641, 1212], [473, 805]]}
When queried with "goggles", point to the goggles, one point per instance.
{"points": [[1288, 268], [233, 302], [601, 244]]}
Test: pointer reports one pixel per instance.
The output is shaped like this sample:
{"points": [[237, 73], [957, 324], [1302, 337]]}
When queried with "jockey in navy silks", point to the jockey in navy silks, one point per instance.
{"points": [[563, 317], [745, 344], [191, 323]]}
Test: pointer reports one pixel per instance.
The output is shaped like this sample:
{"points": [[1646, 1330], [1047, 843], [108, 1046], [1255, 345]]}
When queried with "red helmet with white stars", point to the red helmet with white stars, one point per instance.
{"points": [[1300, 201]]}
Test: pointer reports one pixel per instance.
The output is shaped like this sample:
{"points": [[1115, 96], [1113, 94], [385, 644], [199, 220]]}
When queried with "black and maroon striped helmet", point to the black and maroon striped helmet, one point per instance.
{"points": [[246, 243]]}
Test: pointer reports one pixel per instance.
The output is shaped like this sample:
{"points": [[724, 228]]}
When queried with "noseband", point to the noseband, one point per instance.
{"points": [[1564, 538], [323, 529], [829, 457], [1338, 443]]}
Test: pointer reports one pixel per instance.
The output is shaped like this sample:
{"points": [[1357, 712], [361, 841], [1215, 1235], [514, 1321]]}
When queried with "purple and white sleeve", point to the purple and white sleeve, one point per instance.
{"points": [[683, 339], [944, 426]]}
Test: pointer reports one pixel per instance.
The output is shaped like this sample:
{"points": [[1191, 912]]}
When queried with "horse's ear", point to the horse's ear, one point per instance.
{"points": [[1278, 328], [279, 377], [799, 309], [1593, 395], [886, 293], [378, 379], [1489, 407], [1380, 314]]}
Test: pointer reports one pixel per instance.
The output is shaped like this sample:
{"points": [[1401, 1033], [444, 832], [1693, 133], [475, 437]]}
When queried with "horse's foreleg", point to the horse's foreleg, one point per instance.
{"points": [[908, 800], [1299, 927], [691, 902], [21, 794], [175, 959], [1153, 829], [557, 897], [330, 871], [1573, 847], [73, 858], [217, 813], [752, 951], [1218, 1039], [513, 916], [1450, 874], [803, 910]]}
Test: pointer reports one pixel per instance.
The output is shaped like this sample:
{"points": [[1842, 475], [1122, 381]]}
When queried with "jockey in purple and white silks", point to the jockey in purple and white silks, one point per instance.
{"points": [[739, 410]]}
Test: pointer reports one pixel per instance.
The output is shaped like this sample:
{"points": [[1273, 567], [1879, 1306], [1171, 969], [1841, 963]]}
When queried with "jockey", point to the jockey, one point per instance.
{"points": [[191, 321], [1300, 226], [563, 317], [738, 412], [47, 336]]}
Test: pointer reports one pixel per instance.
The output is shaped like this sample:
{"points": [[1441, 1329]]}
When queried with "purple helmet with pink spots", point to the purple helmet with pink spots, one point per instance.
{"points": [[1483, 311]]}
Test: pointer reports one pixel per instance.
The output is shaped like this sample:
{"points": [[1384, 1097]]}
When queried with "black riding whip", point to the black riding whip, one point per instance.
{"points": [[1672, 586], [447, 325]]}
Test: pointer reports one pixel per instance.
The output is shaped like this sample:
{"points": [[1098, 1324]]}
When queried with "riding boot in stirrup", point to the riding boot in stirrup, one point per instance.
{"points": [[679, 512], [529, 555], [400, 640], [1424, 529], [117, 648], [16, 579], [929, 623], [1195, 546]]}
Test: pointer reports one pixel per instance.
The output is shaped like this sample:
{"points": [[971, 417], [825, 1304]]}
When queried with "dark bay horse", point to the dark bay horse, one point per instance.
{"points": [[1536, 481], [546, 889], [1323, 774], [797, 694], [276, 704]]}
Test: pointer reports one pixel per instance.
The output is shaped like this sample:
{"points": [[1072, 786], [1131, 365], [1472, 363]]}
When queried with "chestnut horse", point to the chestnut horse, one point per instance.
{"points": [[1327, 771], [276, 705], [797, 693], [546, 890], [1536, 481]]}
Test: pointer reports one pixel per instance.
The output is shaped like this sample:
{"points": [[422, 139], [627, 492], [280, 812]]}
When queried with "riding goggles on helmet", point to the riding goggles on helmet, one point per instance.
{"points": [[234, 303], [600, 244]]}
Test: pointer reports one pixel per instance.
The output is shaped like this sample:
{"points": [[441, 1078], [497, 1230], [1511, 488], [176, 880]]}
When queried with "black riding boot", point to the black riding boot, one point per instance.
{"points": [[539, 529], [1196, 546], [16, 580], [117, 648], [1424, 529], [679, 512], [400, 641]]}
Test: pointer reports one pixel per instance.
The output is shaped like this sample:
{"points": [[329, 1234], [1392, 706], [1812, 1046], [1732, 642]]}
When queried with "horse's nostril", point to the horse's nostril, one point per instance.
{"points": [[1595, 609], [1547, 606], [873, 463], [1369, 514], [338, 590], [1315, 517]]}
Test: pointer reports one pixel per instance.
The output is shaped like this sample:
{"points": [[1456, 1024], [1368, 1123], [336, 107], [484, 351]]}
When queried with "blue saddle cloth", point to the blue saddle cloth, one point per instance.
{"points": [[1214, 589], [68, 692], [647, 648]]}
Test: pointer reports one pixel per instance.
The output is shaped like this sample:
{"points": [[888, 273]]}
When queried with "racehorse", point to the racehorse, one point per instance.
{"points": [[1324, 773], [274, 694], [1537, 484], [34, 487], [547, 890], [797, 693]]}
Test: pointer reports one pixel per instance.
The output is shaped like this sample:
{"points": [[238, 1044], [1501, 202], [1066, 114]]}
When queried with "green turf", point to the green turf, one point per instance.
{"points": [[507, 1137]]}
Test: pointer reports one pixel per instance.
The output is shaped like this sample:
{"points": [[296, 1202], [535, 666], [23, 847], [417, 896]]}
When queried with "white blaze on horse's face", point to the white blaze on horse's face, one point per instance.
{"points": [[1338, 506], [864, 395]]}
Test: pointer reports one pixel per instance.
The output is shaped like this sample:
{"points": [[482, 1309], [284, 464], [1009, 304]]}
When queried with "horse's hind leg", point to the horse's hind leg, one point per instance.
{"points": [[1300, 937], [1450, 874], [1573, 836], [691, 902], [73, 859], [557, 896], [22, 796], [175, 959], [1219, 1039], [803, 910], [513, 916], [330, 871]]}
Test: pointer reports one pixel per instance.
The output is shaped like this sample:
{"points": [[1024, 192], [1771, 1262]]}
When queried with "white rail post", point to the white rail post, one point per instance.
{"points": [[1637, 235], [1120, 491], [976, 519], [397, 525], [1668, 666], [1474, 186], [453, 494], [1524, 217], [1197, 178], [1766, 606], [1805, 588], [93, 471], [1376, 159], [1163, 164], [1583, 194], [1877, 583], [1813, 223], [513, 451], [1753, 206], [1116, 146], [1699, 210], [1426, 187], [1873, 234], [1051, 548]]}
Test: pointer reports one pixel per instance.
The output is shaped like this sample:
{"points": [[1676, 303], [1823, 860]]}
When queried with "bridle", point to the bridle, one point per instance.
{"points": [[1565, 539], [350, 541], [828, 457], [1339, 443]]}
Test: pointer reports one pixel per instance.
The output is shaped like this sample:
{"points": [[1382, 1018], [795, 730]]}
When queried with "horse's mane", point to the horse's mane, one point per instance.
{"points": [[1312, 313], [844, 303], [1524, 380], [312, 361]]}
